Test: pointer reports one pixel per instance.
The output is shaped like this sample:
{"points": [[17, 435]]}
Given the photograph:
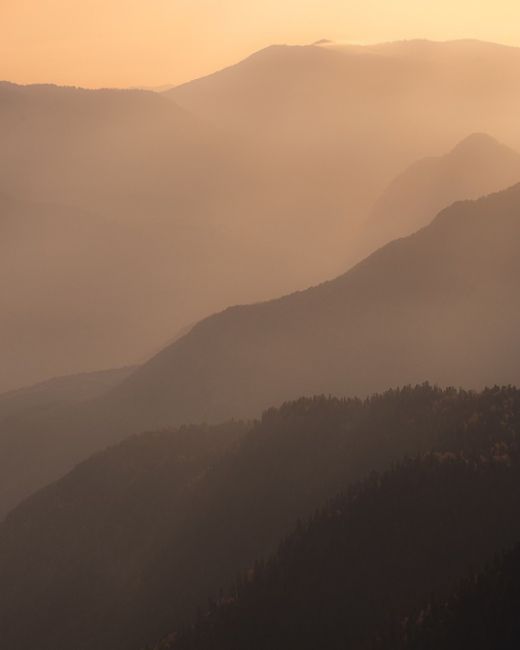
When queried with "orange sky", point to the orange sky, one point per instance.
{"points": [[154, 42]]}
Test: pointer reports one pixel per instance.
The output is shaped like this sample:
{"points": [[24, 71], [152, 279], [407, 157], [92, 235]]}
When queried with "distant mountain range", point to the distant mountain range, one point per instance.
{"points": [[244, 185], [93, 186], [65, 290], [419, 308], [397, 99], [126, 215], [118, 207], [477, 166], [102, 149], [440, 305], [72, 389], [355, 116]]}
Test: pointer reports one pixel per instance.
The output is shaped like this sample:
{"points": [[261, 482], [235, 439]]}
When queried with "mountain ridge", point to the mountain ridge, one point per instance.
{"points": [[476, 166], [183, 510], [415, 310], [455, 218]]}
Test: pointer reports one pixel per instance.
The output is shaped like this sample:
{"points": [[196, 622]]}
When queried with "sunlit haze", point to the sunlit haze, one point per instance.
{"points": [[120, 43], [259, 324]]}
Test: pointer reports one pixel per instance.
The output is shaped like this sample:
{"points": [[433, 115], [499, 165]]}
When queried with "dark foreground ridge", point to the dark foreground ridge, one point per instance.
{"points": [[123, 550], [362, 565], [483, 612]]}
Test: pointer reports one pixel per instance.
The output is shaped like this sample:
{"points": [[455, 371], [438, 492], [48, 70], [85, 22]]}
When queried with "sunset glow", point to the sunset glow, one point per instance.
{"points": [[157, 42]]}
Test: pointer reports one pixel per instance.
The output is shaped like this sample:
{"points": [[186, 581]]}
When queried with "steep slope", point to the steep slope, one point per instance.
{"points": [[96, 194], [112, 508], [126, 546], [314, 114], [61, 390], [194, 203], [20, 470], [396, 99], [278, 89], [483, 612], [367, 558], [441, 305], [119, 207], [477, 166], [347, 119]]}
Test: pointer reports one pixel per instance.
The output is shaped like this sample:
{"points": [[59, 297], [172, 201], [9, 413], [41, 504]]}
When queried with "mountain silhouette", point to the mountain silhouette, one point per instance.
{"points": [[477, 166], [388, 103], [124, 548], [247, 184], [94, 144], [307, 299], [61, 390], [93, 186], [481, 612], [369, 558], [118, 208], [440, 305]]}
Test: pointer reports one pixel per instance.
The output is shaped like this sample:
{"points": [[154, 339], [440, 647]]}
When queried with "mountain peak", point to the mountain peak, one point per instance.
{"points": [[477, 166], [477, 142]]}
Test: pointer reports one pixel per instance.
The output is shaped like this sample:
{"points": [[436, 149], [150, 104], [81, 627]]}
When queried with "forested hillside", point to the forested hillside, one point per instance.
{"points": [[364, 561], [124, 549], [259, 326], [483, 612]]}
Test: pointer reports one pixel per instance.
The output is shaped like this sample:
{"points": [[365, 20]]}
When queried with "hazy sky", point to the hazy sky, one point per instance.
{"points": [[155, 42]]}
